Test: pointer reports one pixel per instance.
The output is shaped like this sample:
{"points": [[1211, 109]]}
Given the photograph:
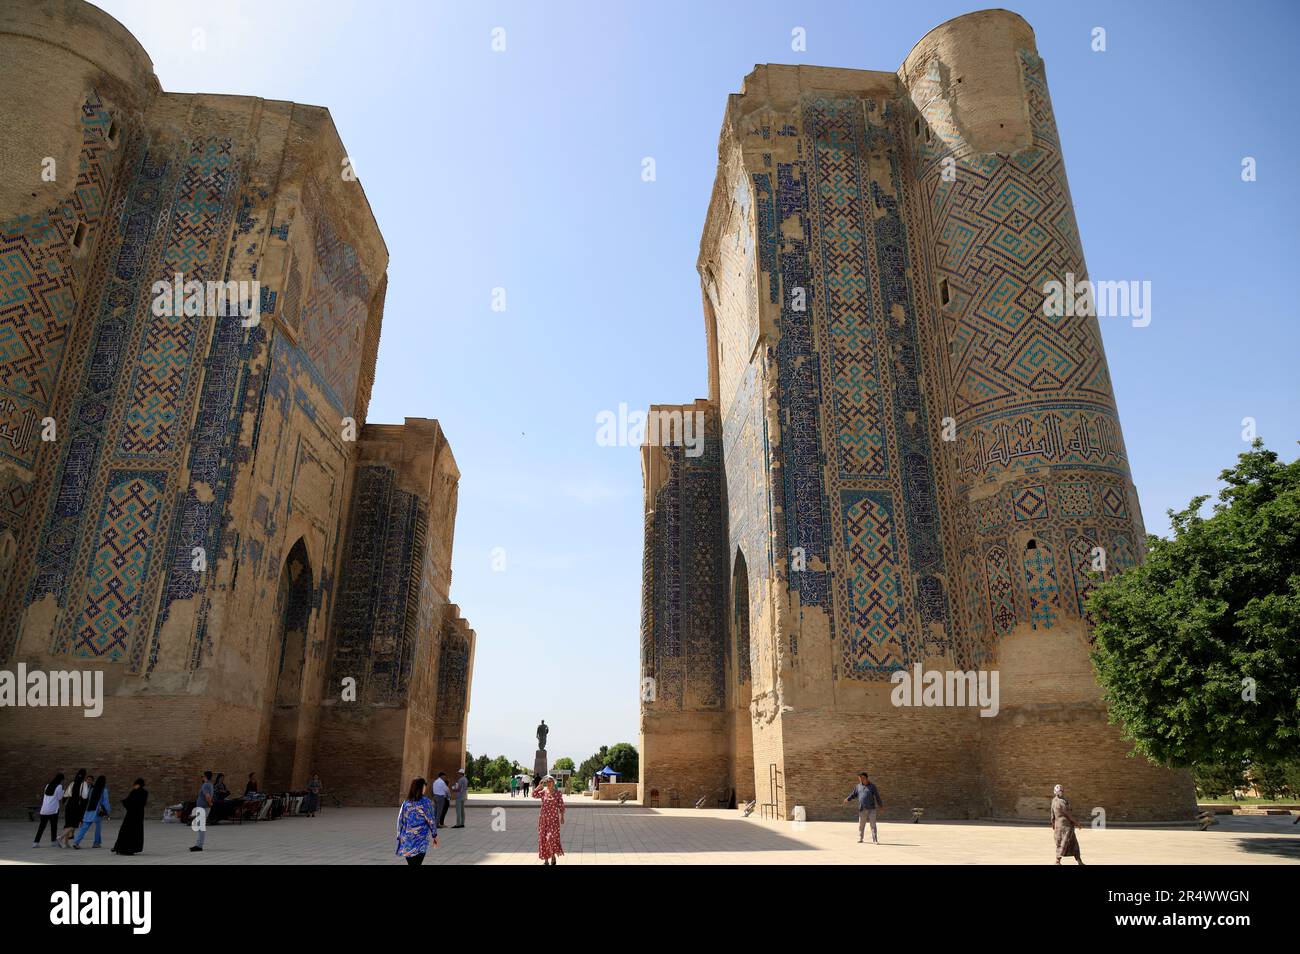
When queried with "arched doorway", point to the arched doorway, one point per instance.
{"points": [[741, 689], [740, 619], [290, 650]]}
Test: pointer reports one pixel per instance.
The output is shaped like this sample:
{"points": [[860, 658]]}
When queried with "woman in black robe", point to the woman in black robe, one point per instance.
{"points": [[130, 837], [76, 807]]}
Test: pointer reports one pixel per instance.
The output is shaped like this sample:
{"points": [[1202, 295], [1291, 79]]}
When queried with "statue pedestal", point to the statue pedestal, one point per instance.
{"points": [[539, 763]]}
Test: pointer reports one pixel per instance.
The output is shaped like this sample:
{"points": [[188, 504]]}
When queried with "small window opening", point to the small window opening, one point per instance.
{"points": [[1031, 545], [917, 126], [114, 133], [944, 297], [79, 236]]}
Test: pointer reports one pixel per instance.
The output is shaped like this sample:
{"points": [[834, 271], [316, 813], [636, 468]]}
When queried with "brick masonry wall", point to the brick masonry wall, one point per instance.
{"points": [[365, 758], [684, 752], [610, 791], [167, 740]]}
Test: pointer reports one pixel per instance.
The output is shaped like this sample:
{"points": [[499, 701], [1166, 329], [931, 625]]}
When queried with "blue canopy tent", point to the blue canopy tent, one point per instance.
{"points": [[608, 772]]}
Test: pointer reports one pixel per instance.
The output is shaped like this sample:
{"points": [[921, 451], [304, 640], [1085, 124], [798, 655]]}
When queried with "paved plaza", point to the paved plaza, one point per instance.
{"points": [[606, 833]]}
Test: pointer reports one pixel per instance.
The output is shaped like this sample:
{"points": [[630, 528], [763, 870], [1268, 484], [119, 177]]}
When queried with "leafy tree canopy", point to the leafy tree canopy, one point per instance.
{"points": [[1198, 647]]}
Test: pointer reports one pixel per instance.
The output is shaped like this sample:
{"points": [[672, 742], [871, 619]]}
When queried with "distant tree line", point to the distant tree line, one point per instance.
{"points": [[493, 774]]}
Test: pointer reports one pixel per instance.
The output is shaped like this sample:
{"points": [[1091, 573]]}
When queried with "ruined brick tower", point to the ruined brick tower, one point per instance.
{"points": [[191, 503], [907, 461]]}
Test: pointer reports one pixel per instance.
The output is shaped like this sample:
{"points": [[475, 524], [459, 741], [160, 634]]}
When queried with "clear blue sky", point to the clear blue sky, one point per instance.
{"points": [[521, 170]]}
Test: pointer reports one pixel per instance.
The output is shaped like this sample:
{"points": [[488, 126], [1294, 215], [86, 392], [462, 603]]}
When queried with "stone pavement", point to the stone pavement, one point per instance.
{"points": [[605, 833]]}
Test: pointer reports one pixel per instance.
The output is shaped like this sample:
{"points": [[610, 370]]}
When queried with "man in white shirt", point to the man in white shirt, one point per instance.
{"points": [[441, 797], [460, 790]]}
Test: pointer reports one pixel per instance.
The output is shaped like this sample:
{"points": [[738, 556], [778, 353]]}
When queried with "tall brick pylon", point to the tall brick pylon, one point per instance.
{"points": [[921, 463]]}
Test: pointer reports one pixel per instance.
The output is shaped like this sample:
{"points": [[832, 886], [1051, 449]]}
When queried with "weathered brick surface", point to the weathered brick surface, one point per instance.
{"points": [[915, 463], [216, 527]]}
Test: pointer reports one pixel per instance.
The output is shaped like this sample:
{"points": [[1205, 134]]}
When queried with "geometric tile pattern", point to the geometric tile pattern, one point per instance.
{"points": [[976, 613], [333, 317], [1041, 585], [77, 485], [858, 286], [131, 398], [1081, 566], [799, 372], [1004, 225], [165, 360], [41, 284], [685, 636], [990, 513], [1030, 503], [117, 571], [1002, 594], [1074, 498], [375, 619], [453, 676], [38, 290], [212, 453], [876, 639], [1030, 392], [1121, 554], [859, 412], [1112, 502]]}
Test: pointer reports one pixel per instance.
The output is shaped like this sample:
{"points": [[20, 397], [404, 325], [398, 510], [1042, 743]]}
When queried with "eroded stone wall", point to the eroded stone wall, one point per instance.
{"points": [[920, 464], [175, 485]]}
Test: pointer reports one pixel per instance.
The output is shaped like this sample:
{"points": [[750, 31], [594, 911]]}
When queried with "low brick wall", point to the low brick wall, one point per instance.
{"points": [[610, 791]]}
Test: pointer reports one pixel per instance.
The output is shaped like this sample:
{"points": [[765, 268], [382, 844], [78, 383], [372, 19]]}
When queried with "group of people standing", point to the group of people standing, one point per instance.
{"points": [[444, 795], [85, 804], [419, 818]]}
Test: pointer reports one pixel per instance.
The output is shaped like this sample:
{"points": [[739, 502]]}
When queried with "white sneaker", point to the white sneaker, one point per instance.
{"points": [[36, 844]]}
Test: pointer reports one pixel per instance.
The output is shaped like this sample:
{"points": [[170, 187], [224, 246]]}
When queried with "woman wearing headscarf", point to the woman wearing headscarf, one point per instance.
{"points": [[1063, 826], [76, 794], [130, 837], [97, 809], [51, 797], [549, 820], [417, 825]]}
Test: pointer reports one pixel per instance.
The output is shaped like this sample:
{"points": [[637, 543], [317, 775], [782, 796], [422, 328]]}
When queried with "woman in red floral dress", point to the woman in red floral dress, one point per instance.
{"points": [[549, 820]]}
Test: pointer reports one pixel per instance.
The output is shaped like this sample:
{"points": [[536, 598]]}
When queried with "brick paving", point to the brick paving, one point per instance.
{"points": [[606, 833]]}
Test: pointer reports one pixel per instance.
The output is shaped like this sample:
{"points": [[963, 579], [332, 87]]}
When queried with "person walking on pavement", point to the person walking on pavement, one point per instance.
{"points": [[1063, 827], [868, 798]]}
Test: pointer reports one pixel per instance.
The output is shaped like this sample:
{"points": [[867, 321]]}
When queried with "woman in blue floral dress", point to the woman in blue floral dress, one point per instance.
{"points": [[417, 827]]}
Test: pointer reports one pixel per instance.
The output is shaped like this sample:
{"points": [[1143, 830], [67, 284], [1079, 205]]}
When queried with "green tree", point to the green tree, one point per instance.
{"points": [[1198, 648], [1277, 779], [564, 763], [623, 759], [592, 765], [1219, 778]]}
